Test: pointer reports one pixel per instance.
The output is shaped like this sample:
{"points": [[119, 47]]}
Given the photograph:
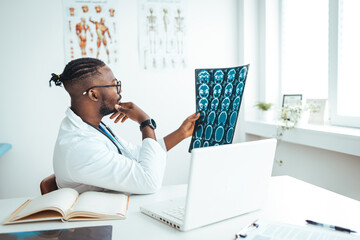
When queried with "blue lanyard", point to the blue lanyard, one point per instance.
{"points": [[107, 133], [111, 136]]}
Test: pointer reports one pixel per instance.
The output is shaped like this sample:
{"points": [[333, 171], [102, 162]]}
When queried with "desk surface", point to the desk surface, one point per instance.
{"points": [[289, 200]]}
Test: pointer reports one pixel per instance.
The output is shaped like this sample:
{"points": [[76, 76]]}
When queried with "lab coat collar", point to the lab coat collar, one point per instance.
{"points": [[76, 120]]}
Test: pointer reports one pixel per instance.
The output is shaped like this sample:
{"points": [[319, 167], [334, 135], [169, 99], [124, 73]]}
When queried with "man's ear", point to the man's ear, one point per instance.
{"points": [[93, 95]]}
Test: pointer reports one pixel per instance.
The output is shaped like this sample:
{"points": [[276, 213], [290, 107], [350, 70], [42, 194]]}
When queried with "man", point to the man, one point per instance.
{"points": [[87, 155]]}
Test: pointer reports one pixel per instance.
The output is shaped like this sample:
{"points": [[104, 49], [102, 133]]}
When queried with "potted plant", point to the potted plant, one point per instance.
{"points": [[264, 107], [289, 118]]}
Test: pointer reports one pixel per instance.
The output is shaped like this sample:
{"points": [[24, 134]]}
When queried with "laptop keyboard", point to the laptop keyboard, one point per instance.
{"points": [[177, 212]]}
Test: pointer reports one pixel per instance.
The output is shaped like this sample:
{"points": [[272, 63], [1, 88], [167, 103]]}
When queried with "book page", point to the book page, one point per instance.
{"points": [[60, 200], [102, 203], [277, 231]]}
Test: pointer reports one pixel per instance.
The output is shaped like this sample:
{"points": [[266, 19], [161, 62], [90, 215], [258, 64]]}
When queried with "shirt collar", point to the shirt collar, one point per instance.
{"points": [[75, 119]]}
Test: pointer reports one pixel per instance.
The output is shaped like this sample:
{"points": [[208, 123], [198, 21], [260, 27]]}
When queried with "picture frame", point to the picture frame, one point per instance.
{"points": [[292, 100], [316, 110]]}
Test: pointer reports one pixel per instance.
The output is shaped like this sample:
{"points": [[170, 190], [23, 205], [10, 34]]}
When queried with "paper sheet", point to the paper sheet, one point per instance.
{"points": [[268, 230]]}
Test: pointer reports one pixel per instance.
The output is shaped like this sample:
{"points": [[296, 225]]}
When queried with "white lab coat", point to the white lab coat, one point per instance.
{"points": [[85, 159]]}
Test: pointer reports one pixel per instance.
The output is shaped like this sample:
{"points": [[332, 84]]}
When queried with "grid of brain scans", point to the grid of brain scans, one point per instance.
{"points": [[218, 98]]}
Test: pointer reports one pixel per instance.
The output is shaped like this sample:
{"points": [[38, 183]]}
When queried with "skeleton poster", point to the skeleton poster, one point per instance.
{"points": [[162, 34], [218, 98], [90, 29]]}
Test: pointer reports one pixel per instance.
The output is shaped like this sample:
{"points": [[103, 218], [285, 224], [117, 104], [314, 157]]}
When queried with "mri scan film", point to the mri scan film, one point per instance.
{"points": [[218, 98]]}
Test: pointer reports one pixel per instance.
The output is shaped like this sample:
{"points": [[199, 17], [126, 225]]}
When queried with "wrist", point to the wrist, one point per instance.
{"points": [[181, 133], [143, 118], [148, 123]]}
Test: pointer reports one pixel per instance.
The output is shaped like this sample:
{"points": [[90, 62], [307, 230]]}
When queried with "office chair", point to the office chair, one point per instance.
{"points": [[48, 184]]}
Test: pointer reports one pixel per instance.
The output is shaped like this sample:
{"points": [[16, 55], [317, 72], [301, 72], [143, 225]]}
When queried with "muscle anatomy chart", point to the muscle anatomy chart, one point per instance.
{"points": [[90, 29]]}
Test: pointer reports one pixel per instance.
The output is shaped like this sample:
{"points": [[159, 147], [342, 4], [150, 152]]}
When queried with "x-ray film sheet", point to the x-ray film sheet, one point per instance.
{"points": [[218, 98]]}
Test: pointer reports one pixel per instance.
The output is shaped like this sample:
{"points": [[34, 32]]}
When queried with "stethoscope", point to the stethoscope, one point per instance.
{"points": [[112, 139], [109, 130]]}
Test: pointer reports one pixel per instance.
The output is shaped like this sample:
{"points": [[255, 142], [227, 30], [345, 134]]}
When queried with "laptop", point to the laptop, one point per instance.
{"points": [[224, 181]]}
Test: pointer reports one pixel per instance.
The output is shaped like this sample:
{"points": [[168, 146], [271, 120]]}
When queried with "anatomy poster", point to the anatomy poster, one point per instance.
{"points": [[90, 29], [218, 98], [162, 34]]}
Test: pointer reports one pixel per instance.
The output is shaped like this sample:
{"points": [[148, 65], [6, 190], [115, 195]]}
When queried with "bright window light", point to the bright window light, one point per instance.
{"points": [[349, 58], [304, 47]]}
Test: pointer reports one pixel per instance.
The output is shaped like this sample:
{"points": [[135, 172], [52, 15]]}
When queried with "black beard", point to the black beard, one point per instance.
{"points": [[104, 110]]}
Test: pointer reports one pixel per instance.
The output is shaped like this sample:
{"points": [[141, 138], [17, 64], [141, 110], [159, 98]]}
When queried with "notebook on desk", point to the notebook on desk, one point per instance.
{"points": [[224, 181]]}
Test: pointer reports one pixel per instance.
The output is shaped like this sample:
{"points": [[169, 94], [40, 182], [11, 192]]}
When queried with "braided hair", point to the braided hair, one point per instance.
{"points": [[76, 70]]}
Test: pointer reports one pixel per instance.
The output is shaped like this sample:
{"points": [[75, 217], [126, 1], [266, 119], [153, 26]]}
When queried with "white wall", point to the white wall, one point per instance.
{"points": [[31, 49]]}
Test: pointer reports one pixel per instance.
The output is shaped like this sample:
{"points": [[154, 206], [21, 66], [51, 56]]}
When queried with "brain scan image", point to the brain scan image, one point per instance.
{"points": [[228, 90], [239, 88], [204, 91], [208, 132], [225, 104], [242, 74], [218, 93], [222, 119], [229, 135], [231, 75], [204, 77], [219, 76], [233, 119], [203, 104], [202, 116], [214, 104], [199, 131], [236, 104], [219, 133], [211, 118], [197, 144], [217, 90]]}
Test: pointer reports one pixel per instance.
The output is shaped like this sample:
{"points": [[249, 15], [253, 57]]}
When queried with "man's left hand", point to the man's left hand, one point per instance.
{"points": [[187, 127]]}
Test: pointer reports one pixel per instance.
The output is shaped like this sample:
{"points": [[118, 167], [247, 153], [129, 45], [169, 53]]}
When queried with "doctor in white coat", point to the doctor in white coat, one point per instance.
{"points": [[88, 155]]}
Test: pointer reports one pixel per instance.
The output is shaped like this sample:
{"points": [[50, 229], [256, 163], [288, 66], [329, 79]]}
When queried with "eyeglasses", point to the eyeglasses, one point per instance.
{"points": [[117, 85]]}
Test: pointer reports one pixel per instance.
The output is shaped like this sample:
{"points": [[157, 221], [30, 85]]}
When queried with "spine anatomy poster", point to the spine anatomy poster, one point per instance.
{"points": [[90, 29], [162, 34]]}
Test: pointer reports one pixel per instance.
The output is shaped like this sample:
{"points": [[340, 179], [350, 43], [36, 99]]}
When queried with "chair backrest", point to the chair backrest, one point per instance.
{"points": [[48, 184]]}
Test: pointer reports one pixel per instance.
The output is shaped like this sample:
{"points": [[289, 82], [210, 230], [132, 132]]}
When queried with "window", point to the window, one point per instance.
{"points": [[320, 52], [345, 38], [304, 48]]}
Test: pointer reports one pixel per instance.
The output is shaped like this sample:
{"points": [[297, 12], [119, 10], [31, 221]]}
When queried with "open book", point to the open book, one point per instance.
{"points": [[67, 205]]}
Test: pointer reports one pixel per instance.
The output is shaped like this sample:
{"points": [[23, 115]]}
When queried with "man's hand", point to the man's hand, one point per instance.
{"points": [[129, 110], [184, 131], [187, 127]]}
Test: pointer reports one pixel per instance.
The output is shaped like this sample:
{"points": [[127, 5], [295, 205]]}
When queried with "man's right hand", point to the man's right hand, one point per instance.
{"points": [[127, 110]]}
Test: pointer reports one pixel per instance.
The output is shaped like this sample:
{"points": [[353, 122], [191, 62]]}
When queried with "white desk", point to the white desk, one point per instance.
{"points": [[289, 200]]}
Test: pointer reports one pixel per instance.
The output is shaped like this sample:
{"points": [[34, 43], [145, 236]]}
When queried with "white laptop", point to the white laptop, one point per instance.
{"points": [[224, 181]]}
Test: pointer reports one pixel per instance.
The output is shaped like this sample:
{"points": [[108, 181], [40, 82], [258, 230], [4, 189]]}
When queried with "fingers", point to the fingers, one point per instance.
{"points": [[194, 117], [197, 116], [124, 119], [122, 108], [121, 115], [114, 115]]}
